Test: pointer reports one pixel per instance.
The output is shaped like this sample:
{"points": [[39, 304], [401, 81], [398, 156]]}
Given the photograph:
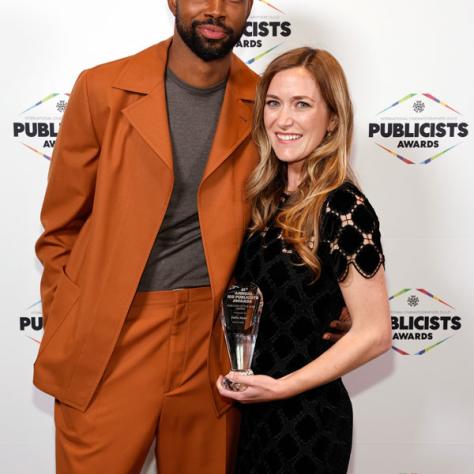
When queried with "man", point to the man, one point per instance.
{"points": [[143, 217]]}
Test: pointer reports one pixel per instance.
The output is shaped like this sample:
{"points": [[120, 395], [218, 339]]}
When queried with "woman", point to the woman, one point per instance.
{"points": [[313, 246]]}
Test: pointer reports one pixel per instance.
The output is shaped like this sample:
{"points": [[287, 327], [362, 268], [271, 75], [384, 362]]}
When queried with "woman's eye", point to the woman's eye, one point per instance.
{"points": [[301, 104], [271, 103]]}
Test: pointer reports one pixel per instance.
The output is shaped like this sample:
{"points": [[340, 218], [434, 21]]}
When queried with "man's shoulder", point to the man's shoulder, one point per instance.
{"points": [[250, 73], [244, 69], [109, 68], [244, 78], [136, 66]]}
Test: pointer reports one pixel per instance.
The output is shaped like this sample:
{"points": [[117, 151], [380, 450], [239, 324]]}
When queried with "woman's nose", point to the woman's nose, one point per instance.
{"points": [[285, 117]]}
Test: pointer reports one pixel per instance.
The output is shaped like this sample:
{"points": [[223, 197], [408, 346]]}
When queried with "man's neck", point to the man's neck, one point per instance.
{"points": [[193, 70]]}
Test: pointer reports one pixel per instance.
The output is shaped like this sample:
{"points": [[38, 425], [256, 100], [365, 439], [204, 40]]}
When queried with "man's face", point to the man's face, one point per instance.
{"points": [[211, 28]]}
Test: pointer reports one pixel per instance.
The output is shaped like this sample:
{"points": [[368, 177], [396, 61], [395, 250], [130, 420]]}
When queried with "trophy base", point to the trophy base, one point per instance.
{"points": [[234, 386]]}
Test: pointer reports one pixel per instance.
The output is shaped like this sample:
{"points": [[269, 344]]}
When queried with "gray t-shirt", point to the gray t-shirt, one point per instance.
{"points": [[177, 258]]}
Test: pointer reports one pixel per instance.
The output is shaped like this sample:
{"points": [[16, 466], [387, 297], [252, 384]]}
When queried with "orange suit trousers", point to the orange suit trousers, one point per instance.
{"points": [[155, 387]]}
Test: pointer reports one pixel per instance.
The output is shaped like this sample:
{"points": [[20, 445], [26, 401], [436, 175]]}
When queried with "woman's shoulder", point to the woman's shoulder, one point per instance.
{"points": [[350, 232], [345, 198], [349, 202]]}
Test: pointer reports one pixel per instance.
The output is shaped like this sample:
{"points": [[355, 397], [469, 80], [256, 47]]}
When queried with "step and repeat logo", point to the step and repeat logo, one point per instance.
{"points": [[266, 31], [421, 321], [418, 129], [37, 127], [31, 322]]}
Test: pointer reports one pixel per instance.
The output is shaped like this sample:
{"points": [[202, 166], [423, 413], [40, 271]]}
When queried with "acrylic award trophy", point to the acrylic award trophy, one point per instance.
{"points": [[240, 312]]}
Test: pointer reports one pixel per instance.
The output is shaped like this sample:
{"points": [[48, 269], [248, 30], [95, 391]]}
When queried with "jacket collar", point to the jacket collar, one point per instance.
{"points": [[144, 74], [146, 69]]}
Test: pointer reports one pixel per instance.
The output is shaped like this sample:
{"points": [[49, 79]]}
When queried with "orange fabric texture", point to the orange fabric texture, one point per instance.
{"points": [[109, 185], [155, 385]]}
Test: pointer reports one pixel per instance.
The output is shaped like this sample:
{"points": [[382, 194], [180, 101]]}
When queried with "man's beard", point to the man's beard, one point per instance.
{"points": [[204, 48]]}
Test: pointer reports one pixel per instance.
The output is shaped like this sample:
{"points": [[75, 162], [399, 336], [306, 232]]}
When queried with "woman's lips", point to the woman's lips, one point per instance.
{"points": [[286, 138], [212, 32]]}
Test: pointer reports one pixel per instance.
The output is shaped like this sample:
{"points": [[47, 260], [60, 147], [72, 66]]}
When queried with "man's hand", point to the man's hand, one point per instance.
{"points": [[339, 327]]}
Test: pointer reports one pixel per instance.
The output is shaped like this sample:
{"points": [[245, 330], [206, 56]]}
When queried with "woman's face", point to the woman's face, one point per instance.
{"points": [[296, 117]]}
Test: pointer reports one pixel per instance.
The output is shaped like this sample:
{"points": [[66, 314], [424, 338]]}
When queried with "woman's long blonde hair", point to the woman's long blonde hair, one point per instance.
{"points": [[325, 169]]}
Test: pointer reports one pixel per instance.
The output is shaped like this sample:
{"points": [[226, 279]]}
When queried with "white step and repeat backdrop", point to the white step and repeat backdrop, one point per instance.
{"points": [[410, 70]]}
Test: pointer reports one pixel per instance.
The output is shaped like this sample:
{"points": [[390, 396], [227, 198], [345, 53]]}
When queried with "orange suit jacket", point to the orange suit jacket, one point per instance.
{"points": [[109, 185]]}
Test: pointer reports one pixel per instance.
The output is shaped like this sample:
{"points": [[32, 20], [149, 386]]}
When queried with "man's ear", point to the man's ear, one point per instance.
{"points": [[172, 6]]}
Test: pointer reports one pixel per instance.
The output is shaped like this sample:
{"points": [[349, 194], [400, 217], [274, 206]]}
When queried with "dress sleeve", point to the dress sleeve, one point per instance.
{"points": [[350, 233]]}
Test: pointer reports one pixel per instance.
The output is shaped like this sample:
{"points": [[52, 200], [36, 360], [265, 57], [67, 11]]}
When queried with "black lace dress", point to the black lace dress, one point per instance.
{"points": [[310, 433]]}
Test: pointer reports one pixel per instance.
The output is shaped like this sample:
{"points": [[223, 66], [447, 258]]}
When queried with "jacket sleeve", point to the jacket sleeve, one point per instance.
{"points": [[70, 189]]}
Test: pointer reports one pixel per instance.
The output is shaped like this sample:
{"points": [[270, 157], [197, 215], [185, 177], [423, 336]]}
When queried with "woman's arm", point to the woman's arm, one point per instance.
{"points": [[369, 336]]}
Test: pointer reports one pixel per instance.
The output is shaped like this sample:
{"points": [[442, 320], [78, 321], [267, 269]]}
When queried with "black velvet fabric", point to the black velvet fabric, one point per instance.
{"points": [[312, 432]]}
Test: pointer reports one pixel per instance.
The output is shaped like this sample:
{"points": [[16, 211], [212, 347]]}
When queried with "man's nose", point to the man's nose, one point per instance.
{"points": [[215, 8]]}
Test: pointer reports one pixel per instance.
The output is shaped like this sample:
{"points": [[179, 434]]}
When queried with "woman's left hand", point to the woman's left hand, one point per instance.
{"points": [[255, 388]]}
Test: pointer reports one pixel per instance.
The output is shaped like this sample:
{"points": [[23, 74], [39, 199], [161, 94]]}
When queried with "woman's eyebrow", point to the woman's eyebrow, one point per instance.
{"points": [[303, 97], [296, 97]]}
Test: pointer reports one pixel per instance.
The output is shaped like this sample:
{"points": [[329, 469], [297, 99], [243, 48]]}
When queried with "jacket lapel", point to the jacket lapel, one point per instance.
{"points": [[235, 120], [145, 74]]}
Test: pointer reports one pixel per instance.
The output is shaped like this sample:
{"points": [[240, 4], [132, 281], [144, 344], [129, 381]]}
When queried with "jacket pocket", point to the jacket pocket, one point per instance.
{"points": [[67, 294]]}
